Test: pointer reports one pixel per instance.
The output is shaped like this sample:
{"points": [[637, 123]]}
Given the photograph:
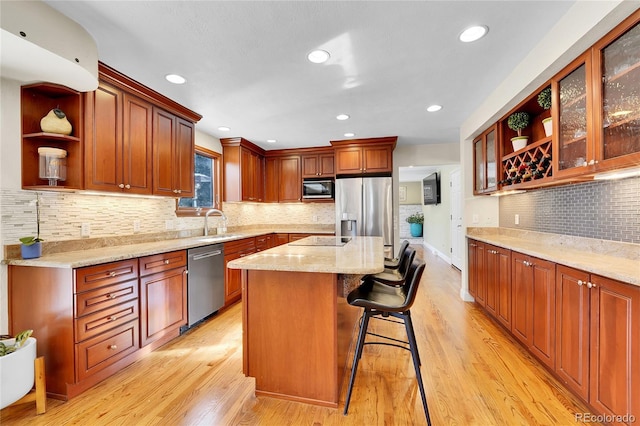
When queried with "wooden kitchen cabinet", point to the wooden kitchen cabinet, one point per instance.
{"points": [[283, 178], [477, 274], [598, 340], [498, 283], [280, 239], [244, 170], [173, 154], [163, 297], [318, 165], [36, 102], [118, 140], [364, 156], [233, 277], [485, 155], [86, 320], [533, 305]]}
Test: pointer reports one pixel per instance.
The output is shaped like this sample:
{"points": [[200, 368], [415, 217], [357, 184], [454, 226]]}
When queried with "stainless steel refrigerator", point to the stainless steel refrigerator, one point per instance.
{"points": [[364, 206]]}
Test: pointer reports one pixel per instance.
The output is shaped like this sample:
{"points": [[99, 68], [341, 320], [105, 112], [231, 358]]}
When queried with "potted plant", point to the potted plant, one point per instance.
{"points": [[518, 121], [31, 246], [544, 100], [415, 223]]}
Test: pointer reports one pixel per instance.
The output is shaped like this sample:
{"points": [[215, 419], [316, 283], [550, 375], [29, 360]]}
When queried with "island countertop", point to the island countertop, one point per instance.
{"points": [[360, 255]]}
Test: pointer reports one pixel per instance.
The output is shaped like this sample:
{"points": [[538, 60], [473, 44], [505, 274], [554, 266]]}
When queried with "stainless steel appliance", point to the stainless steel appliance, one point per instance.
{"points": [[205, 286], [364, 206], [317, 188]]}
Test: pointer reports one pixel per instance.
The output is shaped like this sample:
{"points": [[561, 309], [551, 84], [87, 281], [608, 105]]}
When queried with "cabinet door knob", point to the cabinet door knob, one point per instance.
{"points": [[580, 282], [113, 347], [121, 186], [591, 285], [127, 186]]}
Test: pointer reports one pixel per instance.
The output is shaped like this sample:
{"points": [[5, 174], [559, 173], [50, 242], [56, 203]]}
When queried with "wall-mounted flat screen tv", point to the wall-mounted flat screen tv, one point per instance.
{"points": [[431, 189]]}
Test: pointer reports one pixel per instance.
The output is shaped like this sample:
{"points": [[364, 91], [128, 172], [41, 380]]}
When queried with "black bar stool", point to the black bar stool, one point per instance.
{"points": [[395, 277], [379, 301], [395, 262]]}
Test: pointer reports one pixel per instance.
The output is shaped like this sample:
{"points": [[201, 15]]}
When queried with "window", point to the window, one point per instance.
{"points": [[207, 185]]}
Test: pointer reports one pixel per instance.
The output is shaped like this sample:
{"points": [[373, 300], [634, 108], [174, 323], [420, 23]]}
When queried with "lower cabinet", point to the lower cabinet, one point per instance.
{"points": [[583, 327], [93, 321], [533, 305], [163, 297], [233, 277], [498, 283], [598, 340]]}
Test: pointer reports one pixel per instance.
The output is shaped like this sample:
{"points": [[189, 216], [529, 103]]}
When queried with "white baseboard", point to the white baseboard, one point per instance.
{"points": [[437, 252]]}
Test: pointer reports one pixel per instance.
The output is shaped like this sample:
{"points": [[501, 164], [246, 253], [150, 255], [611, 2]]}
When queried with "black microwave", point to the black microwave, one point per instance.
{"points": [[315, 189]]}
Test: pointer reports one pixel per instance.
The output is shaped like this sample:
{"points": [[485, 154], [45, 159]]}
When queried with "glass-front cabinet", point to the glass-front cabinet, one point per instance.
{"points": [[574, 129], [485, 161], [617, 59]]}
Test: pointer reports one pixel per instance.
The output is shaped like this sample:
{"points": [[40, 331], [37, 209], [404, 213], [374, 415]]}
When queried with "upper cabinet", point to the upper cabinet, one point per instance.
{"points": [[118, 139], [590, 125], [485, 154], [364, 156], [283, 181], [318, 165], [125, 138], [244, 170], [37, 101]]}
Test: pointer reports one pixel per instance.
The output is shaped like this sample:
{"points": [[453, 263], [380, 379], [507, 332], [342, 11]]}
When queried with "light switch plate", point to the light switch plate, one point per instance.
{"points": [[516, 219], [136, 225], [85, 229]]}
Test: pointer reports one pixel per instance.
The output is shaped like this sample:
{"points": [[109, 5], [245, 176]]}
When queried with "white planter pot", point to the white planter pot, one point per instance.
{"points": [[548, 126], [519, 142], [17, 372]]}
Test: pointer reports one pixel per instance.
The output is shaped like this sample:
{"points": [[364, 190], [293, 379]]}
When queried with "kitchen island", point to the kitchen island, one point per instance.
{"points": [[297, 325]]}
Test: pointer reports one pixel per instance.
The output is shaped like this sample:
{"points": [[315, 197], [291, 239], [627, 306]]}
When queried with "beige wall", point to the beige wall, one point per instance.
{"points": [[412, 191]]}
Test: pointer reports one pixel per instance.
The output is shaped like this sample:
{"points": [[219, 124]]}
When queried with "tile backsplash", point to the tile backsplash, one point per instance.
{"points": [[608, 210], [63, 214]]}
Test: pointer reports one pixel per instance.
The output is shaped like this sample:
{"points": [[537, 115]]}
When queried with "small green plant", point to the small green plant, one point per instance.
{"points": [[518, 121], [544, 98], [17, 344], [416, 218]]}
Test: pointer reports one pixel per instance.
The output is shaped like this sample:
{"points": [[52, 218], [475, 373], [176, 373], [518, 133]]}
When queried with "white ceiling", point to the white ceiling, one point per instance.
{"points": [[246, 67]]}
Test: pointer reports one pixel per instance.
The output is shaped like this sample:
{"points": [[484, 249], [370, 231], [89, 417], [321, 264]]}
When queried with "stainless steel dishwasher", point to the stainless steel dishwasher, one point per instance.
{"points": [[205, 285]]}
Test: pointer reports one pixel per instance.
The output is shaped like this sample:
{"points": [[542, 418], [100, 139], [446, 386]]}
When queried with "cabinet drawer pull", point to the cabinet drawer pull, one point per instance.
{"points": [[166, 261], [113, 347], [111, 296], [112, 274], [113, 318]]}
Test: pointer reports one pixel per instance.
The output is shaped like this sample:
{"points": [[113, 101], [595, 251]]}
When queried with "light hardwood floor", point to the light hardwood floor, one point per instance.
{"points": [[474, 374]]}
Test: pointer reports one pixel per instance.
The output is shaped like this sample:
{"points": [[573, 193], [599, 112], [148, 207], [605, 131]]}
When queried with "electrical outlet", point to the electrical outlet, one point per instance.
{"points": [[315, 218], [168, 224], [516, 219], [475, 218], [136, 225], [85, 229]]}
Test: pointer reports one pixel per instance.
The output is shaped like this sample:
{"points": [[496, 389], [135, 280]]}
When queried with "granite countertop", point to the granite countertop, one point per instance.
{"points": [[361, 255], [86, 255], [612, 259]]}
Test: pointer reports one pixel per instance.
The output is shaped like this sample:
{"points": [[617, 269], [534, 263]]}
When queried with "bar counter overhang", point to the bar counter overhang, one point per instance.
{"points": [[297, 325]]}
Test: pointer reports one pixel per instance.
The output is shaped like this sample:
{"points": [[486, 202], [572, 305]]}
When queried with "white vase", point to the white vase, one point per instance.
{"points": [[519, 142], [548, 126], [17, 372]]}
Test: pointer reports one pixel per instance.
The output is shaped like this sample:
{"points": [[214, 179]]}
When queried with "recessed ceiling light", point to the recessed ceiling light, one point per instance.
{"points": [[473, 33], [318, 56], [434, 108], [349, 134], [272, 140], [175, 78], [342, 117], [224, 128]]}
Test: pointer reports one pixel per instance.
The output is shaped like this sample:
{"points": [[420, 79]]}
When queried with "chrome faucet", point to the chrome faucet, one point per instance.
{"points": [[206, 216]]}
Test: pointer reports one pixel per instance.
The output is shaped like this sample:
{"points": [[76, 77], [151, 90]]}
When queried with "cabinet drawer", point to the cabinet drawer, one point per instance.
{"points": [[99, 352], [106, 274], [99, 322], [244, 245], [262, 242], [162, 262], [105, 297]]}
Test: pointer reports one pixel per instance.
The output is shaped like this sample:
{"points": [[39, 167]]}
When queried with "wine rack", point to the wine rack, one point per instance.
{"points": [[531, 163]]}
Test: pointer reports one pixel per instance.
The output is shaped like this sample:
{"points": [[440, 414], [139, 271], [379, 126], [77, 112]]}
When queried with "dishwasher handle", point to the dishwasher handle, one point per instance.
{"points": [[205, 255]]}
